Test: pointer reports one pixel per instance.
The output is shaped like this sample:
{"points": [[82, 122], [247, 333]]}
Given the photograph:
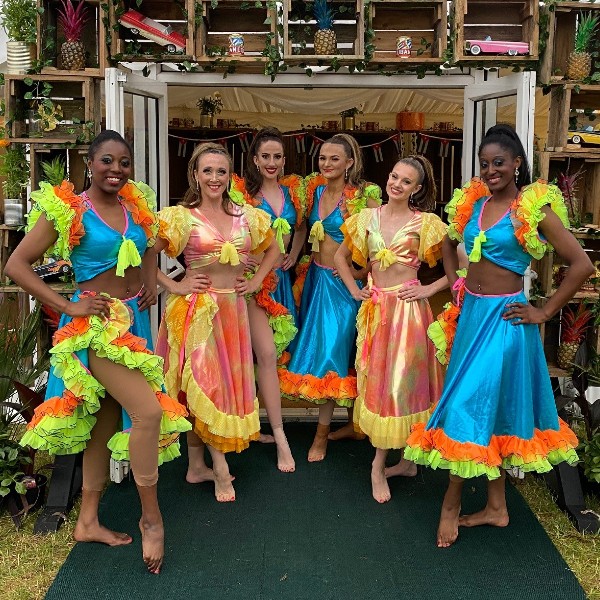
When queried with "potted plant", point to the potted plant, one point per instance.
{"points": [[349, 117], [580, 60], [574, 325], [72, 20], [19, 20], [325, 39], [209, 107], [567, 183], [15, 169]]}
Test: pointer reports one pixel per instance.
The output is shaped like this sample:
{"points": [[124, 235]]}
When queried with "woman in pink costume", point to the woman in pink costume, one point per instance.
{"points": [[398, 376], [272, 310], [204, 335], [101, 360]]}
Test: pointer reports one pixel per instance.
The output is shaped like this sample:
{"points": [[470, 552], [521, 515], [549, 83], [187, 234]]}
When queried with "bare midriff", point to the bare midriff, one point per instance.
{"points": [[222, 277], [113, 285], [395, 274], [327, 249], [487, 278]]}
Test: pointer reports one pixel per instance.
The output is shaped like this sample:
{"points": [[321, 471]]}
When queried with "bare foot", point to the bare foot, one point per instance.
{"points": [[285, 460], [98, 533], [448, 527], [346, 432], [224, 491], [153, 545], [405, 468], [266, 439], [199, 475], [381, 489], [318, 450], [487, 516]]}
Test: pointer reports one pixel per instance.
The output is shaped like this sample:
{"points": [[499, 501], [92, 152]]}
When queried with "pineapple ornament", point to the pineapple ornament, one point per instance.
{"points": [[574, 325], [580, 60], [325, 39], [72, 20]]}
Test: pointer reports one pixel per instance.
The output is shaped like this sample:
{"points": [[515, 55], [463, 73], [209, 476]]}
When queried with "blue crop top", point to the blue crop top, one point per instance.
{"points": [[288, 211], [499, 244], [331, 222]]}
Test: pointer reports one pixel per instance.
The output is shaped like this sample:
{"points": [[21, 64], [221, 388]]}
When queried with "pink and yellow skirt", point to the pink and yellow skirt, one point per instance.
{"points": [[205, 341]]}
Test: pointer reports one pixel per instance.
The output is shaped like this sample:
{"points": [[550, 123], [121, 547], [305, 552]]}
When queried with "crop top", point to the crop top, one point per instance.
{"points": [[85, 239], [283, 222], [188, 231], [419, 240]]}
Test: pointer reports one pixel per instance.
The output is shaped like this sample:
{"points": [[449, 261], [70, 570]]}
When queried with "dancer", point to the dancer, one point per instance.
{"points": [[319, 367], [100, 357], [204, 335], [497, 408], [272, 310], [398, 376]]}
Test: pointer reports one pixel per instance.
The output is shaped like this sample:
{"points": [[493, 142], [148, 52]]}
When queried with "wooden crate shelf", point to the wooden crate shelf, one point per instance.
{"points": [[129, 47], [421, 20], [501, 20], [93, 38], [299, 27], [561, 24], [77, 95], [74, 160], [256, 24]]}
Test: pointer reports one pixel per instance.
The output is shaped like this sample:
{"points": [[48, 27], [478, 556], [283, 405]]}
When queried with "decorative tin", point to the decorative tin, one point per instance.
{"points": [[403, 46], [236, 44]]}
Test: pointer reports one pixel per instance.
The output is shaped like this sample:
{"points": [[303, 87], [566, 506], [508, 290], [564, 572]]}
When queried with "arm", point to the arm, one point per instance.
{"points": [[341, 259], [249, 286], [580, 268], [149, 294], [297, 244], [30, 250], [419, 292]]}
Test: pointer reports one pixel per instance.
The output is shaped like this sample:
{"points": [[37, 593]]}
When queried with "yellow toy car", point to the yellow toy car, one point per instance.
{"points": [[587, 137]]}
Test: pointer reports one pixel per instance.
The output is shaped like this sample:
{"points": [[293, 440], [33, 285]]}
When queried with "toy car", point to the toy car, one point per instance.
{"points": [[154, 31], [53, 269], [588, 136], [489, 46]]}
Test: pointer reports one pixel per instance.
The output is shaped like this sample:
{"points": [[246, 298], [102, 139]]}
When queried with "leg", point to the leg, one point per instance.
{"points": [[448, 527], [95, 474], [381, 489], [347, 431], [495, 512], [319, 446], [404, 468], [131, 390], [197, 471], [268, 381], [224, 491]]}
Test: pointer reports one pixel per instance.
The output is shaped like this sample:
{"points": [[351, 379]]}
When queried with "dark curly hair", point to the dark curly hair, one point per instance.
{"points": [[252, 177]]}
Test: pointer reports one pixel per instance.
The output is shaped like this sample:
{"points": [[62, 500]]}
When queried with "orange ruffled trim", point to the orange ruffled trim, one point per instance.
{"points": [[313, 181], [137, 204], [301, 271], [221, 443], [239, 184], [461, 207], [318, 390], [57, 406], [65, 191], [294, 184], [265, 301]]}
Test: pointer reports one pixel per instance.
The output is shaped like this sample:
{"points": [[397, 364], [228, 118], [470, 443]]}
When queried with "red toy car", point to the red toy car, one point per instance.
{"points": [[152, 30]]}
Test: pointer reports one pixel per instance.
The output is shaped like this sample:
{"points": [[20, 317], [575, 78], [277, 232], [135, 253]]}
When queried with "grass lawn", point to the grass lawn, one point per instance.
{"points": [[28, 563]]}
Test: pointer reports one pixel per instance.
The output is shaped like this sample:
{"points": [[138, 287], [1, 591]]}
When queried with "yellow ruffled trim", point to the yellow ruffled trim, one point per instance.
{"points": [[355, 235], [460, 207], [295, 185], [140, 200], [431, 236], [259, 223], [175, 228]]}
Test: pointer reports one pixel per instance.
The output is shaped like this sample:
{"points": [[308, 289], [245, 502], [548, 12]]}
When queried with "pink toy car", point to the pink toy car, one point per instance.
{"points": [[488, 46], [152, 30]]}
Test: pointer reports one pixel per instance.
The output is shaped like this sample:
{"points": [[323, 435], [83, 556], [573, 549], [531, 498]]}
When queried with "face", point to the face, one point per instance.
{"points": [[497, 167], [212, 175], [402, 182], [270, 159], [110, 166], [333, 161]]}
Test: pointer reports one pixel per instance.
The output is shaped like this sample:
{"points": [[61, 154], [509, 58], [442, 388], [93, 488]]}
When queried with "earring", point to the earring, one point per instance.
{"points": [[197, 186], [346, 174], [516, 173], [411, 197], [89, 173], [258, 168]]}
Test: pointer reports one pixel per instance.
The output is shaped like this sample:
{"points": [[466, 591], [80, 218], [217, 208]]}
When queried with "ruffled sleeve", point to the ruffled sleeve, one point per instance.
{"points": [[355, 236], [433, 231], [311, 183], [238, 193], [63, 208], [175, 228], [528, 214], [460, 207], [358, 201], [140, 201], [260, 228], [296, 186]]}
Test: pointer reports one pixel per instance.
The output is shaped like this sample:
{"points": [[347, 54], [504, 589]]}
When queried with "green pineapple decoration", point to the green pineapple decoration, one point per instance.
{"points": [[574, 325], [325, 39], [580, 60], [72, 20], [55, 171]]}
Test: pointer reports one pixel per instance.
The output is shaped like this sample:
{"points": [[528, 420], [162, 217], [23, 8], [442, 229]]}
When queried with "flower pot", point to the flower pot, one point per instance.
{"points": [[19, 56], [13, 212], [206, 120], [348, 123]]}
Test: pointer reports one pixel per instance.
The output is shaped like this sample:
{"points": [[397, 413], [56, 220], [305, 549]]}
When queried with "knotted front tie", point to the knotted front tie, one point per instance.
{"points": [[386, 258], [229, 254], [281, 228], [317, 235], [128, 256], [475, 255]]}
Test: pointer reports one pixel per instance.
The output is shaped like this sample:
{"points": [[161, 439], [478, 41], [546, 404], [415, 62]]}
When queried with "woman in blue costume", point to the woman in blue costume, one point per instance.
{"points": [[272, 310], [319, 367], [497, 408], [100, 359]]}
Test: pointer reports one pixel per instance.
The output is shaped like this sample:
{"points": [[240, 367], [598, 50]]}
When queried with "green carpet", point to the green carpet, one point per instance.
{"points": [[316, 534]]}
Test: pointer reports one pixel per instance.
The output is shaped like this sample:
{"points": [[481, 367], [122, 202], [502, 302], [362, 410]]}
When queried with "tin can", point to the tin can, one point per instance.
{"points": [[403, 46], [236, 44]]}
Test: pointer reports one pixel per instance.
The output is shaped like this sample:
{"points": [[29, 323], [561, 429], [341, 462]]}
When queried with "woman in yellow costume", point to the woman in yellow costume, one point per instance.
{"points": [[204, 335], [398, 376], [319, 368], [272, 310], [100, 358]]}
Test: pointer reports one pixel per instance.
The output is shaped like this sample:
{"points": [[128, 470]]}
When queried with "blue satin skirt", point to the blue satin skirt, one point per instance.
{"points": [[283, 293]]}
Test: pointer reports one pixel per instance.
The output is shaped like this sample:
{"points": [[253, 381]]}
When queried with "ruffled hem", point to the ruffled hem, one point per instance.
{"points": [[301, 272], [443, 330], [433, 448], [318, 390]]}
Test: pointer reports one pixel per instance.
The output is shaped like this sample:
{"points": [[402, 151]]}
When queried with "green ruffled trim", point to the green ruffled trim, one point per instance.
{"points": [[435, 332], [358, 203], [119, 447], [343, 402], [284, 331], [236, 196]]}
